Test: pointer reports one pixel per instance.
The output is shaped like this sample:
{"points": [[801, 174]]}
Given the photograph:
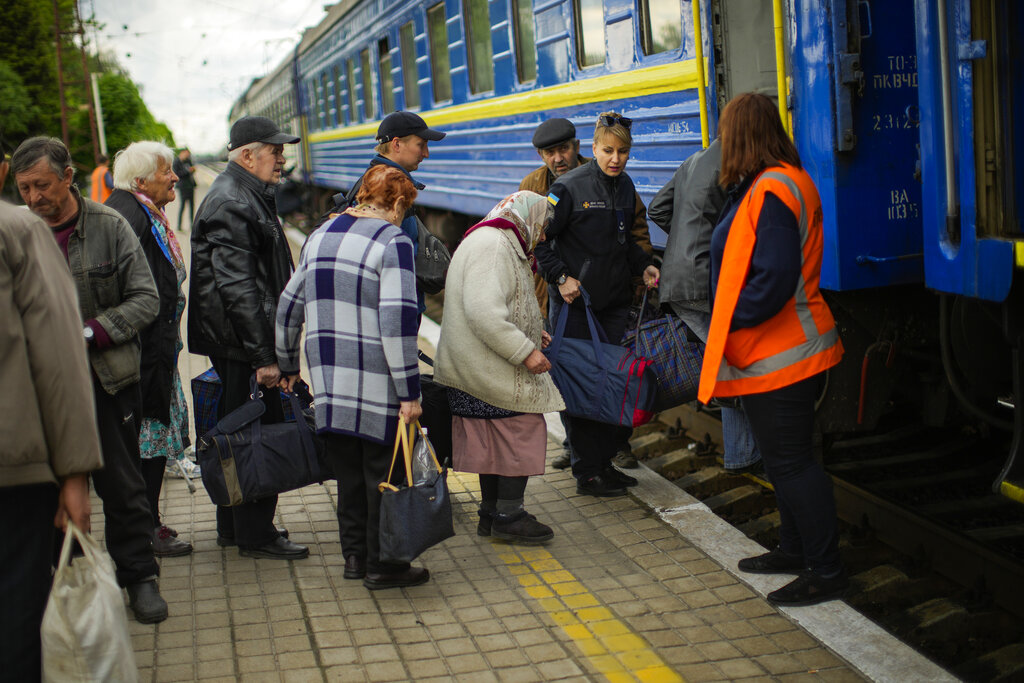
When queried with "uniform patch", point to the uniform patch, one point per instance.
{"points": [[553, 199], [593, 205]]}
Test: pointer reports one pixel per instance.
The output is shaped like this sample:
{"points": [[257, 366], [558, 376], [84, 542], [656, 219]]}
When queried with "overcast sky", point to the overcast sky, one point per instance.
{"points": [[192, 58]]}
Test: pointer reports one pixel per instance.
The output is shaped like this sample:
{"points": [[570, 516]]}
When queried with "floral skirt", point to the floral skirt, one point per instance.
{"points": [[159, 440]]}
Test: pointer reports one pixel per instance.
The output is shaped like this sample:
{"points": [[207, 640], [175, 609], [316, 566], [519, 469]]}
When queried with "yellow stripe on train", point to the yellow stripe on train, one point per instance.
{"points": [[653, 80]]}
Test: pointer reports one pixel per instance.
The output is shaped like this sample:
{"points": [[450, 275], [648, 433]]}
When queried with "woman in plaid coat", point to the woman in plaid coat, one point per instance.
{"points": [[355, 290]]}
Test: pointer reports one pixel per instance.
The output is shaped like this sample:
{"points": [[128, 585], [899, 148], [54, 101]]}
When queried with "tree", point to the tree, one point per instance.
{"points": [[18, 115]]}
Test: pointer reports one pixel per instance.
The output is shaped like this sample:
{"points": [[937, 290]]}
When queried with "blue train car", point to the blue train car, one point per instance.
{"points": [[904, 112]]}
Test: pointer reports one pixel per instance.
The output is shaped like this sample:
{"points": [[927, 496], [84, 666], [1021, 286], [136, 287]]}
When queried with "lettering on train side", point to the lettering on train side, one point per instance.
{"points": [[893, 121], [902, 73], [900, 207]]}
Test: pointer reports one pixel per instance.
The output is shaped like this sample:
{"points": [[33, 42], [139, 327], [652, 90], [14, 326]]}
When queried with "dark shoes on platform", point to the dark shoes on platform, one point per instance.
{"points": [[561, 461], [626, 459], [810, 589], [521, 527], [278, 549], [355, 567], [774, 562], [600, 485], [413, 576], [228, 541], [166, 543], [145, 602], [617, 476]]}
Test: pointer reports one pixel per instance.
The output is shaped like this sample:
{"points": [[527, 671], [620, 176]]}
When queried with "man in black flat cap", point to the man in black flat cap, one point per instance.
{"points": [[558, 147], [241, 263]]}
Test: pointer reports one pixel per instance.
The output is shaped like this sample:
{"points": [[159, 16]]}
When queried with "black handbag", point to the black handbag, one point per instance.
{"points": [[413, 517], [432, 259], [242, 459]]}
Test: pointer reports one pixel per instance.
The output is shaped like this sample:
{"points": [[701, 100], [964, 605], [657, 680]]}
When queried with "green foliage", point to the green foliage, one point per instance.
{"points": [[29, 99]]}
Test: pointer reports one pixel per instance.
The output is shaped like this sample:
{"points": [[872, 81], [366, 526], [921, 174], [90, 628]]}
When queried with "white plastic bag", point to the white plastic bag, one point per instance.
{"points": [[424, 461], [85, 627]]}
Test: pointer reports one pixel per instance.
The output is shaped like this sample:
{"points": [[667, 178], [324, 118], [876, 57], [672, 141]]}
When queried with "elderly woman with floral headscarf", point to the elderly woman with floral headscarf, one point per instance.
{"points": [[490, 358]]}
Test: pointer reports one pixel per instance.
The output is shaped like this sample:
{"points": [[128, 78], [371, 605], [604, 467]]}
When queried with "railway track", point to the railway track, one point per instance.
{"points": [[934, 557]]}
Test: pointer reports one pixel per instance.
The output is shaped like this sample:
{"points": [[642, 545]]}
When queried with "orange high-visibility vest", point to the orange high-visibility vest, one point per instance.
{"points": [[800, 340], [99, 190]]}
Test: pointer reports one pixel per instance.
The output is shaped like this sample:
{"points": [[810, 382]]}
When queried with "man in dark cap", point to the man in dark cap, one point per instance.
{"points": [[241, 263], [402, 139], [558, 147]]}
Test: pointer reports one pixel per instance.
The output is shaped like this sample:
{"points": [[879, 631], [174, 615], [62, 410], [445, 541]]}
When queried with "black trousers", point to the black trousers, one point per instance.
{"points": [[250, 524], [782, 421], [359, 466], [190, 199], [129, 523], [592, 444], [26, 558]]}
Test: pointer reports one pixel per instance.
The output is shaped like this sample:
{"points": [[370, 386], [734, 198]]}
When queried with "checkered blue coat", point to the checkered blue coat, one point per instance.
{"points": [[355, 290]]}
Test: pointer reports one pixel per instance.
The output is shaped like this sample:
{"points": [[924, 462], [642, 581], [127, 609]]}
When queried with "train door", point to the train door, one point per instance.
{"points": [[744, 48]]}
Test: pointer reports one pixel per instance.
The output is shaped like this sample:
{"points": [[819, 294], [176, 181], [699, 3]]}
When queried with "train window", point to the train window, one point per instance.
{"points": [[659, 24], [410, 79], [387, 88], [440, 65], [364, 63], [526, 52], [478, 45], [325, 104], [350, 71], [336, 83], [589, 19]]}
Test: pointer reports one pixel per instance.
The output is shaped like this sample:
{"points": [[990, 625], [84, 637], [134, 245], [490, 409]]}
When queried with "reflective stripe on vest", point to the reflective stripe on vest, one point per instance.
{"points": [[815, 343]]}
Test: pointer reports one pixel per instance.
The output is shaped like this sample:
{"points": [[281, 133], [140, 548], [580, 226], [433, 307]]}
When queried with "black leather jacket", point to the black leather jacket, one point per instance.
{"points": [[592, 224], [241, 263]]}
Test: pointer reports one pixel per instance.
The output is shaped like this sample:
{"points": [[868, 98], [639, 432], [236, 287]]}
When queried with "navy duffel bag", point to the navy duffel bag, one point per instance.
{"points": [[243, 460], [600, 381]]}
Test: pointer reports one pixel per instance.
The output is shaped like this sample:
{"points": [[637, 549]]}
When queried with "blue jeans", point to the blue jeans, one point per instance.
{"points": [[739, 446]]}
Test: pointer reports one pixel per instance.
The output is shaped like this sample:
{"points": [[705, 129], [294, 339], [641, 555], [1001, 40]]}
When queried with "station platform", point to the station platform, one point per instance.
{"points": [[619, 594]]}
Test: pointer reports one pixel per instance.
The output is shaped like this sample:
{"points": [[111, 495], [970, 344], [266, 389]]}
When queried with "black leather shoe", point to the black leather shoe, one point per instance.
{"points": [[521, 527], [355, 567], [413, 576], [146, 603], [810, 589], [228, 541], [617, 476], [278, 549], [774, 562], [599, 485]]}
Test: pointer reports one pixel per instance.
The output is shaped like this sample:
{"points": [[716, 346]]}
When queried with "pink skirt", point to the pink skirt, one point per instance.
{"points": [[509, 446]]}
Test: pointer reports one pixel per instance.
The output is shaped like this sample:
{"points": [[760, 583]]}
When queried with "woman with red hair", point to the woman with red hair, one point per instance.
{"points": [[772, 338], [355, 290]]}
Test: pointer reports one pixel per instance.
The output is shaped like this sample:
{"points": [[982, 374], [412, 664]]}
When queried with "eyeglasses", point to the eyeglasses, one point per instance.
{"points": [[608, 121]]}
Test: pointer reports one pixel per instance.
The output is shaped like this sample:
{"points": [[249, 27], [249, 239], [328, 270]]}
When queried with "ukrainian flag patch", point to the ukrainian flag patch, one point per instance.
{"points": [[553, 199]]}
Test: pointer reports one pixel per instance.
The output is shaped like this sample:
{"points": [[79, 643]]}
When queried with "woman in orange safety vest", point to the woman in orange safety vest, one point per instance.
{"points": [[772, 337]]}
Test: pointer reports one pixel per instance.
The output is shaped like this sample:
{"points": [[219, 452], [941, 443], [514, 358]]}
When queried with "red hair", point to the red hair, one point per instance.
{"points": [[752, 138], [384, 184]]}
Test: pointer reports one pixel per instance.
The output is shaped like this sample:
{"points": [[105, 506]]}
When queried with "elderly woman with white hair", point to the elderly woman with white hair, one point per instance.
{"points": [[144, 185], [490, 358]]}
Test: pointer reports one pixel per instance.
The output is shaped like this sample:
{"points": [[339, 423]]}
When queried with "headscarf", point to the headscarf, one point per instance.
{"points": [[526, 214]]}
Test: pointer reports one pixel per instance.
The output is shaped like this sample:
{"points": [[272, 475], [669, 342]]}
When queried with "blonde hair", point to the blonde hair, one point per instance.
{"points": [[616, 129]]}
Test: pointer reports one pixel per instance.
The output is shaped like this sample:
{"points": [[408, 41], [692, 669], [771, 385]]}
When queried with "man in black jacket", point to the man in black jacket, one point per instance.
{"points": [[241, 263]]}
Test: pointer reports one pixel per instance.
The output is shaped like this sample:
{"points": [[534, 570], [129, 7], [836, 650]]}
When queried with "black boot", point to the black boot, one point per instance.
{"points": [[146, 603], [520, 527]]}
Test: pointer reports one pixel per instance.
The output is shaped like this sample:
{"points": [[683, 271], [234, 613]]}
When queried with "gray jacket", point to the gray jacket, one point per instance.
{"points": [[49, 426], [115, 286], [687, 208]]}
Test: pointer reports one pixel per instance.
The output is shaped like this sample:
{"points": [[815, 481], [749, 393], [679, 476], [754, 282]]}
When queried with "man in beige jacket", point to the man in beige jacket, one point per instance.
{"points": [[48, 429]]}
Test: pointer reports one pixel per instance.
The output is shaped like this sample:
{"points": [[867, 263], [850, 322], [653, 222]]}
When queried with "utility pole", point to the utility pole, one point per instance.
{"points": [[85, 82]]}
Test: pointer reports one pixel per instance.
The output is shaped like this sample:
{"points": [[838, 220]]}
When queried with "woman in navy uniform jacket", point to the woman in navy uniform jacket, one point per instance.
{"points": [[590, 244]]}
